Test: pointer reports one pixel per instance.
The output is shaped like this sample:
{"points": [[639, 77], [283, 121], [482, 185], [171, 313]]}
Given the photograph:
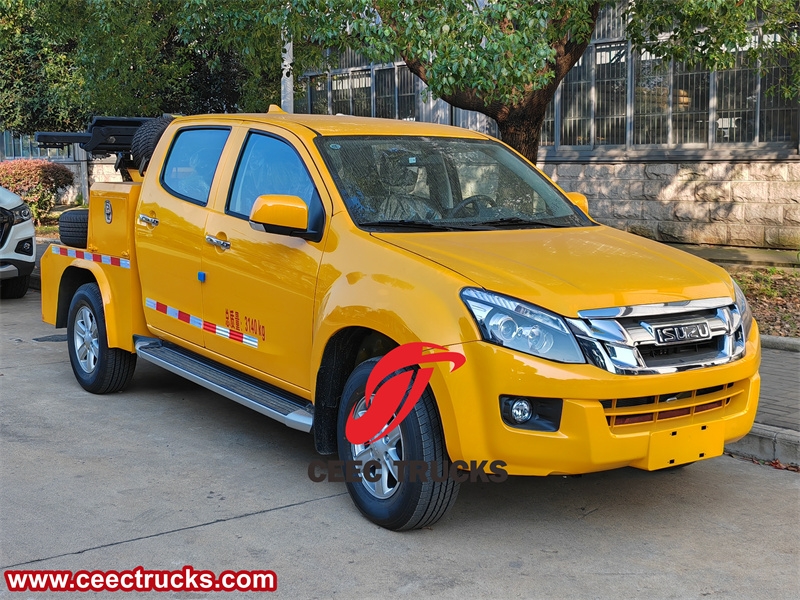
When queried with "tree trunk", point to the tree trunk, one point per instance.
{"points": [[521, 131]]}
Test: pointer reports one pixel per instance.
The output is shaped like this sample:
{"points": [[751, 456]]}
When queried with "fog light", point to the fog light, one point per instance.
{"points": [[521, 410], [533, 414], [25, 247]]}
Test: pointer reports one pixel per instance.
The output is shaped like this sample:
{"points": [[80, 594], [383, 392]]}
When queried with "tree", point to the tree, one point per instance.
{"points": [[506, 59], [157, 56], [64, 60], [39, 86]]}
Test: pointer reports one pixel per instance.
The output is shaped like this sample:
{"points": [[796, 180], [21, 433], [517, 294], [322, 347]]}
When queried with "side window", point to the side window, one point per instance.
{"points": [[192, 162], [269, 166]]}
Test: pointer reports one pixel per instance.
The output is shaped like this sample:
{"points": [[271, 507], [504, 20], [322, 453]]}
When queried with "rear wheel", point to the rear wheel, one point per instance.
{"points": [[98, 368], [394, 500]]}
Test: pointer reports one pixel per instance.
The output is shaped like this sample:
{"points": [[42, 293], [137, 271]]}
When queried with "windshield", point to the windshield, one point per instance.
{"points": [[430, 183]]}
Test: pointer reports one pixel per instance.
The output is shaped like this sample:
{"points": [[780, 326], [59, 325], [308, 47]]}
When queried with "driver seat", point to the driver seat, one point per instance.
{"points": [[399, 175]]}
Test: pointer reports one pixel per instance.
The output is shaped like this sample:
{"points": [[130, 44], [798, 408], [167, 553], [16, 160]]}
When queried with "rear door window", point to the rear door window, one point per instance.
{"points": [[192, 161]]}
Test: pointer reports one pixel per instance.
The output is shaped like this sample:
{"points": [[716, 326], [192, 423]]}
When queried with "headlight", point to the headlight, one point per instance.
{"points": [[744, 311], [21, 213], [521, 326]]}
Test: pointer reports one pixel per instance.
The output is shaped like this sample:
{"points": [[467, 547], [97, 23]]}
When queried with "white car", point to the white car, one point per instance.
{"points": [[17, 245]]}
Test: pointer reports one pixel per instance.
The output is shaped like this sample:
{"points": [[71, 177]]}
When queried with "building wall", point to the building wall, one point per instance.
{"points": [[755, 204], [102, 170]]}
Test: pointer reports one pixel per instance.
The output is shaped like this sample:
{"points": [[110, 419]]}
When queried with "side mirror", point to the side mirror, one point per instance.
{"points": [[284, 215], [580, 201]]}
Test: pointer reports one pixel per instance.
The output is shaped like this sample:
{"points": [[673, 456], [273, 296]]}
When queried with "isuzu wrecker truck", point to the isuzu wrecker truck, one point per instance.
{"points": [[276, 258]]}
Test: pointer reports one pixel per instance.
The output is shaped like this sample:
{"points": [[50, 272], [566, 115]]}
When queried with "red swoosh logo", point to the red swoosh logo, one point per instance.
{"points": [[391, 395]]}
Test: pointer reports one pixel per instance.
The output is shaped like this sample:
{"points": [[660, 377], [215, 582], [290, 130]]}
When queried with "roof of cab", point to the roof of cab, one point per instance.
{"points": [[328, 125]]}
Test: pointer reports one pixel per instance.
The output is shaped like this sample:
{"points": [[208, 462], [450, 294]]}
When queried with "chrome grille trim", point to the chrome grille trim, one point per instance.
{"points": [[648, 310], [622, 340]]}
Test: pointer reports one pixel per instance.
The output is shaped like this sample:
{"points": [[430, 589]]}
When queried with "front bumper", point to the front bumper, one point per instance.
{"points": [[720, 408], [13, 261], [15, 268]]}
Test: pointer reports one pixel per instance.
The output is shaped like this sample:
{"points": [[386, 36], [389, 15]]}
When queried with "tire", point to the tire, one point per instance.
{"points": [[145, 140], [98, 368], [399, 505], [73, 227], [13, 288]]}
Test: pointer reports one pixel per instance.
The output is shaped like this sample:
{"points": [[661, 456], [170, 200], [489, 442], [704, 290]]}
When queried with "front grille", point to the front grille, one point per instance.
{"points": [[663, 338], [655, 356], [622, 412]]}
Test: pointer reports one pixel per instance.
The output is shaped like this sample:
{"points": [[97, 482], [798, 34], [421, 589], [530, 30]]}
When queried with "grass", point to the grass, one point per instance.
{"points": [[768, 282], [47, 230], [774, 296]]}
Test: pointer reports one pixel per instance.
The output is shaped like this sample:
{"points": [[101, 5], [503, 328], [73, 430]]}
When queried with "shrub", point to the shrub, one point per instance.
{"points": [[38, 182]]}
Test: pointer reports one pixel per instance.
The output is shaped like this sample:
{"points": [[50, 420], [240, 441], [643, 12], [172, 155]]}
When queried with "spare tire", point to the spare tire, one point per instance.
{"points": [[145, 140], [73, 227]]}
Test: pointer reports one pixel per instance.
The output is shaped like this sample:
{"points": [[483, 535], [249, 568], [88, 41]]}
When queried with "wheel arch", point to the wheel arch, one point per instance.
{"points": [[118, 313], [344, 351], [71, 280]]}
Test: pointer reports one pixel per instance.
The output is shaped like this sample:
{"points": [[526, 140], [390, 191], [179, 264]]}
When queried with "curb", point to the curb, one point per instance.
{"points": [[792, 344], [768, 443]]}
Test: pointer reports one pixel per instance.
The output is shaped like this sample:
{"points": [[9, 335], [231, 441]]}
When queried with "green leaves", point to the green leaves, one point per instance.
{"points": [[709, 32]]}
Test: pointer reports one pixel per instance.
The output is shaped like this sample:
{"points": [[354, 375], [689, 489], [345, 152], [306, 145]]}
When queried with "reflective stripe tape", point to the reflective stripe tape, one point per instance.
{"points": [[105, 259], [236, 336]]}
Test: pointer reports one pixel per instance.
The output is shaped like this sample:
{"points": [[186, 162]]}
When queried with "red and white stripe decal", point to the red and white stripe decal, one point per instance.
{"points": [[105, 259], [236, 336]]}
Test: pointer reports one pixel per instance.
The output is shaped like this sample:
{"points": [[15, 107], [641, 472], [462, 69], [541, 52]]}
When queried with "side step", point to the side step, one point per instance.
{"points": [[287, 408]]}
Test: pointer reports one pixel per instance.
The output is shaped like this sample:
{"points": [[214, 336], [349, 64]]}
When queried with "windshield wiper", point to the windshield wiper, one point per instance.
{"points": [[418, 225], [520, 221]]}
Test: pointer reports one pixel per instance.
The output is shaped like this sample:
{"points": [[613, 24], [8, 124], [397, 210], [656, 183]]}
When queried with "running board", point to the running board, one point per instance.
{"points": [[291, 410]]}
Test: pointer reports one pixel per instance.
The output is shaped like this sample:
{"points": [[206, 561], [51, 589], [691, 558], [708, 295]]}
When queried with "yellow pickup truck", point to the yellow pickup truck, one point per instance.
{"points": [[277, 258]]}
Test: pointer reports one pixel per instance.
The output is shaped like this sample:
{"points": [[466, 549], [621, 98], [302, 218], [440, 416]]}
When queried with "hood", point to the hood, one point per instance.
{"points": [[567, 270], [9, 199]]}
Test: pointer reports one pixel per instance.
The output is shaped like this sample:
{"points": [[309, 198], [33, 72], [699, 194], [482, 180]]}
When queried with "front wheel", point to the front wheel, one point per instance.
{"points": [[398, 491], [98, 368], [15, 287]]}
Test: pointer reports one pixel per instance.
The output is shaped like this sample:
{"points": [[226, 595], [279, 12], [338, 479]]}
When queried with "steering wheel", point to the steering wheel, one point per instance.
{"points": [[477, 200]]}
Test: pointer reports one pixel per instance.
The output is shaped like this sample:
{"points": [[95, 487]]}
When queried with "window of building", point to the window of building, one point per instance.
{"points": [[385, 100], [361, 86], [737, 96], [406, 94], [318, 87], [650, 100], [690, 89], [611, 85], [301, 96], [576, 114], [548, 134], [17, 145], [778, 118], [340, 93]]}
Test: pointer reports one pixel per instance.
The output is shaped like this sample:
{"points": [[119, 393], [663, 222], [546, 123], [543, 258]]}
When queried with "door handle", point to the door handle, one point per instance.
{"points": [[225, 245], [149, 220]]}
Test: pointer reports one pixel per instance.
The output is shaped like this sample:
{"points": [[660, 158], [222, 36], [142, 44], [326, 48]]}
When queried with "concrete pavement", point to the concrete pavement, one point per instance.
{"points": [[168, 474]]}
